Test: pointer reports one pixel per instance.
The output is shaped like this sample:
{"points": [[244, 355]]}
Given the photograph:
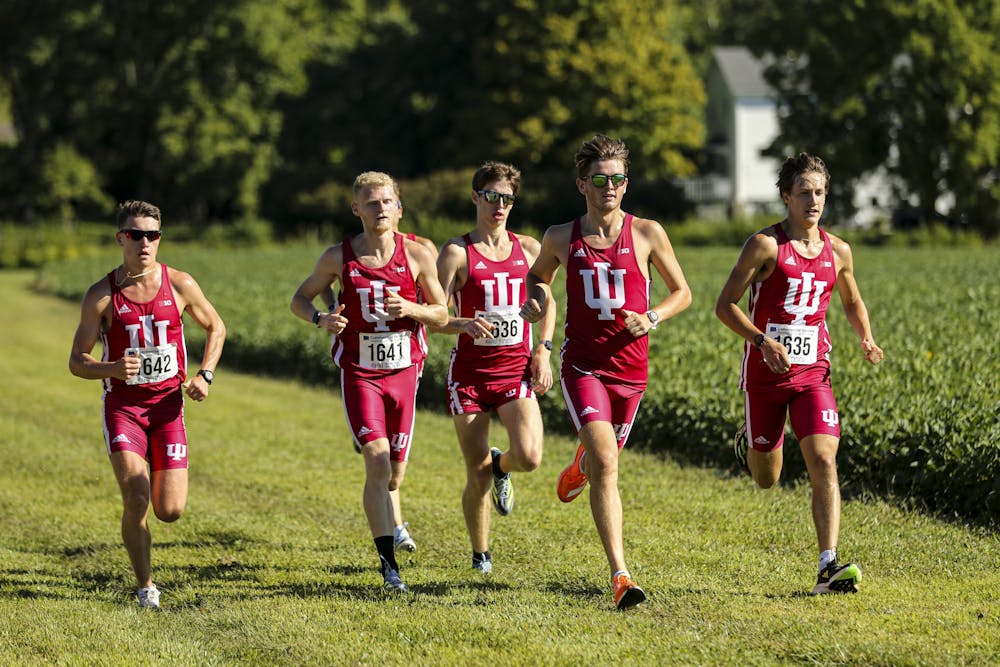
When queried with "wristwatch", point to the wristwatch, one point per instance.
{"points": [[316, 317], [547, 344], [208, 375], [654, 317], [758, 340]]}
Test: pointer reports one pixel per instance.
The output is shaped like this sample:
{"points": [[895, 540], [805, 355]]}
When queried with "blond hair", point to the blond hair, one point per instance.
{"points": [[374, 179]]}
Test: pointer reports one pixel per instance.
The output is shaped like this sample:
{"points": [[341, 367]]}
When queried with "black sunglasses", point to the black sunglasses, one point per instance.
{"points": [[493, 197], [139, 234], [601, 180]]}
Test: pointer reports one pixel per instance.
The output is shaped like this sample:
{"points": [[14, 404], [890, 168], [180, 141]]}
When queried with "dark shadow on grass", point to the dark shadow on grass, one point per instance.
{"points": [[574, 588]]}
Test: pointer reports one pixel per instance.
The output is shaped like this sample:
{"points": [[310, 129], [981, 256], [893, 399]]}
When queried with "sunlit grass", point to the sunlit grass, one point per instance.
{"points": [[273, 562]]}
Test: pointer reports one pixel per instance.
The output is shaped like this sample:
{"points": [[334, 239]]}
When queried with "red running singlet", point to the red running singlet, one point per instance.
{"points": [[494, 290], [791, 305], [374, 344], [153, 330], [599, 284]]}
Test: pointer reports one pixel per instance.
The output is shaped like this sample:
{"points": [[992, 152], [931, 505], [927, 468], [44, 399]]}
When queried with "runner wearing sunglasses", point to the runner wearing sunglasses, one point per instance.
{"points": [[136, 312], [495, 367], [607, 254]]}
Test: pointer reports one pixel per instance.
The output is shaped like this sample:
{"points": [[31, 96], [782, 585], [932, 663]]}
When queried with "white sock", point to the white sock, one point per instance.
{"points": [[625, 572], [827, 557]]}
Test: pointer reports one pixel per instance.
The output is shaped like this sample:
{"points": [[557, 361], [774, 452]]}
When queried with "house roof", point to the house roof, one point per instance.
{"points": [[744, 74]]}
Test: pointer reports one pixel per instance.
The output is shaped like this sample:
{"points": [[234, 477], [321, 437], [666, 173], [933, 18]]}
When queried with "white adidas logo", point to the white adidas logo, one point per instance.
{"points": [[790, 261], [761, 440], [480, 265], [580, 253], [589, 410], [354, 273], [124, 309], [363, 431], [120, 438]]}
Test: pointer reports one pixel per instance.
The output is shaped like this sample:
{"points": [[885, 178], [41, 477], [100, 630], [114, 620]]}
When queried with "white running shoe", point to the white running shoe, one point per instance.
{"points": [[401, 539], [149, 598], [482, 566]]}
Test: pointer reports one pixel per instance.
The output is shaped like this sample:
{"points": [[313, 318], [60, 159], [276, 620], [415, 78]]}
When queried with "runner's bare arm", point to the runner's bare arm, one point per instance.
{"points": [[92, 315], [193, 300], [325, 273], [854, 305]]}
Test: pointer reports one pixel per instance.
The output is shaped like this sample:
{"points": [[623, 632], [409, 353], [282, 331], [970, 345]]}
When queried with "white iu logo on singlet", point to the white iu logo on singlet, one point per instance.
{"points": [[808, 296], [146, 325], [373, 303], [502, 293], [604, 301]]}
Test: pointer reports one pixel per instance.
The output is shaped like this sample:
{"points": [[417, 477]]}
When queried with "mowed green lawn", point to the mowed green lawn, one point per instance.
{"points": [[273, 562]]}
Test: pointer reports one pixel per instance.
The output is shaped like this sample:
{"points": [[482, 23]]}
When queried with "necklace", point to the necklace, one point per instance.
{"points": [[130, 276]]}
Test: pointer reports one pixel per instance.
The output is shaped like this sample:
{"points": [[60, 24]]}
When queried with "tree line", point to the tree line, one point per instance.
{"points": [[251, 108]]}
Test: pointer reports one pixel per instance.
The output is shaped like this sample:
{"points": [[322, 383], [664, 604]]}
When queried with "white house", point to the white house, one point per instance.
{"points": [[741, 120]]}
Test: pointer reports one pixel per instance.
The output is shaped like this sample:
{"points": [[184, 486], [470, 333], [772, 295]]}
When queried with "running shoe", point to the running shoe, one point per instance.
{"points": [[484, 566], [393, 582], [401, 539], [572, 480], [503, 489], [627, 593], [149, 598], [837, 578], [740, 444]]}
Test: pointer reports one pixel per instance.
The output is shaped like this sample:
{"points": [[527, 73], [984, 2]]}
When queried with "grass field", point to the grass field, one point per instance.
{"points": [[273, 563]]}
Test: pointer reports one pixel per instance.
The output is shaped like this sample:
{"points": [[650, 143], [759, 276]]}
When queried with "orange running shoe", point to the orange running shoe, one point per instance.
{"points": [[572, 480], [627, 593]]}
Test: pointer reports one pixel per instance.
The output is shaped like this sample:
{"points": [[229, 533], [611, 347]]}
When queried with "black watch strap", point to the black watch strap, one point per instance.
{"points": [[316, 317], [758, 340], [547, 344], [208, 375]]}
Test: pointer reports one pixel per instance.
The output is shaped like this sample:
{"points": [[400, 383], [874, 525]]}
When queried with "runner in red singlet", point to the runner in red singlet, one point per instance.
{"points": [[607, 254], [493, 366], [402, 541], [136, 312], [791, 269], [377, 341]]}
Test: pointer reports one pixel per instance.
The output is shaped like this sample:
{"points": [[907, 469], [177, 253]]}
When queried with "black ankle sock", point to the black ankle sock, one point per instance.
{"points": [[497, 471], [480, 556], [386, 553]]}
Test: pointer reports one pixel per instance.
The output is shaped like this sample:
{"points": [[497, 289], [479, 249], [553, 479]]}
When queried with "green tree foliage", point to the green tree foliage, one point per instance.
{"points": [[173, 101], [451, 83], [908, 84]]}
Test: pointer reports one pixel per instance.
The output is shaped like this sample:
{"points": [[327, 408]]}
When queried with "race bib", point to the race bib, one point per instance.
{"points": [[507, 327], [156, 364], [384, 351], [801, 341]]}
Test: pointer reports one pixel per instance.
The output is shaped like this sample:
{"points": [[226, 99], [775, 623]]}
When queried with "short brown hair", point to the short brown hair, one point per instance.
{"points": [[374, 179], [793, 167], [601, 147], [492, 171], [133, 208]]}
